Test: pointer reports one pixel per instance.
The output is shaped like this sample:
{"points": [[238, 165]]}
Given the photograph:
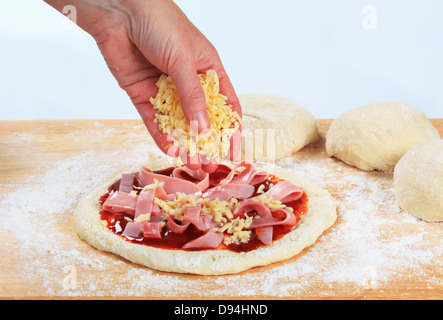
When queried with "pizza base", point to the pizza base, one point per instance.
{"points": [[321, 215]]}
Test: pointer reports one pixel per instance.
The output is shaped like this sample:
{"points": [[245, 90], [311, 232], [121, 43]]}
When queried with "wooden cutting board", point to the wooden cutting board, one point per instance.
{"points": [[374, 251]]}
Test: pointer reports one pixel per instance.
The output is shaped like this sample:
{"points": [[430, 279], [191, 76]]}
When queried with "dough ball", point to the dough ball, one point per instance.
{"points": [[376, 136], [418, 181], [274, 127]]}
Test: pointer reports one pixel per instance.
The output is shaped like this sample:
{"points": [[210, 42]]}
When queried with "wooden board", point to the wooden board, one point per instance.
{"points": [[374, 251]]}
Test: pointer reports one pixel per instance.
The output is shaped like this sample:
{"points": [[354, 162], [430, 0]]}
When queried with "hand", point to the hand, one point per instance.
{"points": [[140, 40]]}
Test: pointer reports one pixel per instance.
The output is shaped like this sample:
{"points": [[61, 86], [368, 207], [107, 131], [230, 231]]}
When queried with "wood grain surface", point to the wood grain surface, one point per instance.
{"points": [[69, 268]]}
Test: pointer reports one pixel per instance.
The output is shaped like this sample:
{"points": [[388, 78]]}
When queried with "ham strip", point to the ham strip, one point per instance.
{"points": [[265, 234], [171, 184], [201, 221], [192, 215], [120, 202], [267, 221], [239, 191], [247, 176], [152, 230], [284, 191], [264, 225], [210, 239], [242, 177], [200, 175], [133, 229], [161, 193], [145, 202], [250, 205], [258, 177], [215, 193], [175, 227], [126, 182]]}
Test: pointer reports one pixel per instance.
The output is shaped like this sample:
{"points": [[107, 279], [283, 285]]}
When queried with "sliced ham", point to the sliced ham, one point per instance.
{"points": [[152, 230], [155, 209], [120, 202], [246, 176], [284, 191], [258, 177], [215, 193], [171, 184], [239, 191], [205, 222], [289, 219], [199, 175], [145, 202], [161, 193], [242, 177], [201, 221], [265, 234], [250, 205], [175, 227], [156, 216], [192, 215], [210, 239], [126, 182], [133, 229]]}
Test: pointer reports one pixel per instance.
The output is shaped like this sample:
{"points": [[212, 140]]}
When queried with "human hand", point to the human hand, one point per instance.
{"points": [[140, 40]]}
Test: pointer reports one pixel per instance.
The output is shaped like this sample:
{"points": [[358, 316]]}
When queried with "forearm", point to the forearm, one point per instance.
{"points": [[92, 15]]}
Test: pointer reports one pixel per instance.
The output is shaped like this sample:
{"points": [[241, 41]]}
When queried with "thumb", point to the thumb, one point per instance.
{"points": [[192, 97]]}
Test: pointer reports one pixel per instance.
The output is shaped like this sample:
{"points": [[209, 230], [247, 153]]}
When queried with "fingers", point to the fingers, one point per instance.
{"points": [[227, 89], [209, 165], [192, 96], [234, 145], [164, 141], [192, 162]]}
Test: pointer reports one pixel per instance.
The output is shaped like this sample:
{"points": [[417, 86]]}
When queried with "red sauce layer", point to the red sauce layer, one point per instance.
{"points": [[169, 240]]}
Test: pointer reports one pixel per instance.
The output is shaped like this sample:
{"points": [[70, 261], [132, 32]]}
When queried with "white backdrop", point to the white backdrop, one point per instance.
{"points": [[328, 55]]}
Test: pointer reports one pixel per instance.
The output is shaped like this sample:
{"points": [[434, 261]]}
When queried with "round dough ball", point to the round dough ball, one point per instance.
{"points": [[274, 127], [376, 136], [418, 181]]}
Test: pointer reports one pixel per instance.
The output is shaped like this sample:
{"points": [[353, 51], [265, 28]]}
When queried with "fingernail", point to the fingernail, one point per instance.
{"points": [[192, 162], [235, 145], [200, 121]]}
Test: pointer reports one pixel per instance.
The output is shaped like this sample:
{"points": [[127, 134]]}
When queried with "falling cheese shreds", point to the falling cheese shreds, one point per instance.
{"points": [[213, 143]]}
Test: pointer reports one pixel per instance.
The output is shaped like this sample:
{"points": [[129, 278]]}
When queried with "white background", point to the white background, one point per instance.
{"points": [[317, 52]]}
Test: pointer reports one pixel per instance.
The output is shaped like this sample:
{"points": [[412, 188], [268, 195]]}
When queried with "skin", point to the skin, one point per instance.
{"points": [[142, 39]]}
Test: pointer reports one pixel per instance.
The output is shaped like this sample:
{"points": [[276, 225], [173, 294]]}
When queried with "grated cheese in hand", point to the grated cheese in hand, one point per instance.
{"points": [[170, 118]]}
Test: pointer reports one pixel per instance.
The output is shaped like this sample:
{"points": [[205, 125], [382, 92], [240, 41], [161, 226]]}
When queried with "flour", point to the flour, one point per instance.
{"points": [[373, 241]]}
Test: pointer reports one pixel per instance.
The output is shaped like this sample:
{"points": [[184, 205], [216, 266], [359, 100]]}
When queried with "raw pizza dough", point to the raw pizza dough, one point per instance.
{"points": [[274, 127], [418, 180], [320, 216], [376, 136]]}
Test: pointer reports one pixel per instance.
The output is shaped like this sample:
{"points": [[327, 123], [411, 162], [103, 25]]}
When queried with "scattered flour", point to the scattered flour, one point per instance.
{"points": [[373, 242]]}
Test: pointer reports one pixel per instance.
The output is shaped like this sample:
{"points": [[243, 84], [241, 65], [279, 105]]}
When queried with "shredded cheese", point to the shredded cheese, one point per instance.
{"points": [[143, 217], [170, 118], [269, 202], [235, 230], [154, 185]]}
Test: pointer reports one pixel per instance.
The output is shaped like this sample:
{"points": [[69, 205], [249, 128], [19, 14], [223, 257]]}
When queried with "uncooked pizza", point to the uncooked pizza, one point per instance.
{"points": [[171, 218]]}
